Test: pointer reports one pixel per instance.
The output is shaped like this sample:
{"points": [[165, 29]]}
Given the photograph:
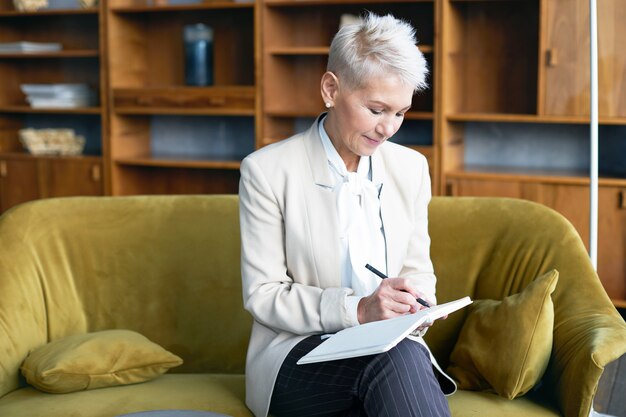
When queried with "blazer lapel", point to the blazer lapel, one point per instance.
{"points": [[322, 212], [388, 200]]}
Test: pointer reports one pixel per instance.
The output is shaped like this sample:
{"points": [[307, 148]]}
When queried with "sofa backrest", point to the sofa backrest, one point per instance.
{"points": [[490, 248], [167, 267]]}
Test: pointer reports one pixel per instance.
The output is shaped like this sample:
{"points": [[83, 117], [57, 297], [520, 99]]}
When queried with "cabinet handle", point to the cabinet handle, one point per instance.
{"points": [[96, 174], [3, 169], [452, 189], [552, 57], [621, 200]]}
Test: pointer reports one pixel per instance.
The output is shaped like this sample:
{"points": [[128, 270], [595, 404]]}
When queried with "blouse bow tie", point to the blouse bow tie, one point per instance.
{"points": [[358, 207]]}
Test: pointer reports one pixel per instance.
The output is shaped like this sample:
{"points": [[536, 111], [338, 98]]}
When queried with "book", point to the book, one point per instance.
{"points": [[59, 95], [378, 336], [12, 47]]}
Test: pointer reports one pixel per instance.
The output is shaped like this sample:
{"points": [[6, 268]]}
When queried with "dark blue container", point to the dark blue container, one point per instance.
{"points": [[198, 54]]}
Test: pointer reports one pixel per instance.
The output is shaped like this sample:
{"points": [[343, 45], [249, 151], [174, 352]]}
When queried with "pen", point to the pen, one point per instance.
{"points": [[383, 276]]}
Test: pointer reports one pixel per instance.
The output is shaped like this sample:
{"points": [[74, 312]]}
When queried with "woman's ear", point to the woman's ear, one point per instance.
{"points": [[329, 88]]}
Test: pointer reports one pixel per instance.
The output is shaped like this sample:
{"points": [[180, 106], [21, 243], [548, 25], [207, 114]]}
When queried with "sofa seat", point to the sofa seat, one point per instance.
{"points": [[213, 392], [485, 404], [219, 393]]}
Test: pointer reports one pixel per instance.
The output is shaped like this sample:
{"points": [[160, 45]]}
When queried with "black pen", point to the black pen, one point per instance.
{"points": [[383, 276]]}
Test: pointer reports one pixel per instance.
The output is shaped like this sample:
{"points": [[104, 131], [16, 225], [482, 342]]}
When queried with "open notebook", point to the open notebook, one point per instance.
{"points": [[377, 336]]}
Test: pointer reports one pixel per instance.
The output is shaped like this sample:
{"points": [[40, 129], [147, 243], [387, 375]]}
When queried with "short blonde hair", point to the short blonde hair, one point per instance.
{"points": [[377, 46]]}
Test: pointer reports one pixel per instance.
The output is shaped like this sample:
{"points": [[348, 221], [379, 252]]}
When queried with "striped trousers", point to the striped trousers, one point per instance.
{"points": [[397, 383]]}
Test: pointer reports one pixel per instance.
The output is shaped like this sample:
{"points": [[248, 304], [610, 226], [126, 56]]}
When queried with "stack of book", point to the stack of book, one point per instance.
{"points": [[58, 95], [18, 47]]}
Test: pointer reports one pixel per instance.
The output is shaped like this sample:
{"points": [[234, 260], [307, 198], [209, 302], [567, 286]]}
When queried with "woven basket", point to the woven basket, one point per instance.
{"points": [[29, 5], [52, 141]]}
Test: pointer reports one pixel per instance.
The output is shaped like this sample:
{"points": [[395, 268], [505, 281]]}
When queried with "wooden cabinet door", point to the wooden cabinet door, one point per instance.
{"points": [[18, 182], [69, 177], [612, 241], [564, 75], [485, 188], [572, 201]]}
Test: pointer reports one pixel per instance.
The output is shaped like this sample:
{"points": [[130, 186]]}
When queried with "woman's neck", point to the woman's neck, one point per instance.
{"points": [[349, 158]]}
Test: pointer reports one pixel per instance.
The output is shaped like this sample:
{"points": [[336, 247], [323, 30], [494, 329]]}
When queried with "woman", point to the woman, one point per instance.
{"points": [[318, 207]]}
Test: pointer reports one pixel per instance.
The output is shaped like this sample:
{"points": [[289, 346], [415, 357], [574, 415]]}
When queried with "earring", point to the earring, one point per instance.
{"points": [[328, 105]]}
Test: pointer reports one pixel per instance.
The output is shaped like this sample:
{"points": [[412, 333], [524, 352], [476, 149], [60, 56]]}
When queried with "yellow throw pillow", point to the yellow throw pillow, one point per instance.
{"points": [[96, 360], [505, 345]]}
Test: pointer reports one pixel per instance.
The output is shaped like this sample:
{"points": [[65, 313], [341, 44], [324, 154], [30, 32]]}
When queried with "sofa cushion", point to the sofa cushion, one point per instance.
{"points": [[505, 345], [219, 393], [487, 404], [95, 360]]}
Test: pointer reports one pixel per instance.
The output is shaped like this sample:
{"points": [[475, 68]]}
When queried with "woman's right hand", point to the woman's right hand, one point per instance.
{"points": [[394, 297]]}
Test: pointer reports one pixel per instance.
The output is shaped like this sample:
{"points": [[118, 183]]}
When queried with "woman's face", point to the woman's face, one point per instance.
{"points": [[364, 118]]}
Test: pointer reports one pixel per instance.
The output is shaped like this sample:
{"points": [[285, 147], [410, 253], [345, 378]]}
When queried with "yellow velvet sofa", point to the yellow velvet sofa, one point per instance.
{"points": [[167, 267]]}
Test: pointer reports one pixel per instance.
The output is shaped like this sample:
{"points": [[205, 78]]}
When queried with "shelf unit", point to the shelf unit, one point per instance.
{"points": [[508, 83], [295, 45], [515, 87], [25, 177], [167, 137]]}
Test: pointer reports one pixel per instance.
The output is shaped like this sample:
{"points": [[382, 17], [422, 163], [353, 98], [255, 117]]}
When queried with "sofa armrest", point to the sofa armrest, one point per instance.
{"points": [[25, 302], [583, 347], [22, 311], [499, 246], [589, 333]]}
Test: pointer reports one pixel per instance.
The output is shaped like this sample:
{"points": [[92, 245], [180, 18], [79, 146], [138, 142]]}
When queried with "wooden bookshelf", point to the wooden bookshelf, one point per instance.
{"points": [[79, 31], [512, 66], [495, 66]]}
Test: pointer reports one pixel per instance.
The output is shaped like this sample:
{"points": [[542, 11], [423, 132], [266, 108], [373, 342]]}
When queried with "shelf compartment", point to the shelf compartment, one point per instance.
{"points": [[302, 50], [146, 180], [28, 109], [321, 50], [76, 53], [181, 141], [541, 146], [235, 101], [529, 118], [28, 156], [170, 161], [147, 50], [148, 6], [73, 30], [9, 12], [565, 177], [305, 71], [414, 133], [305, 24], [419, 115], [492, 57], [84, 124], [308, 3], [15, 72]]}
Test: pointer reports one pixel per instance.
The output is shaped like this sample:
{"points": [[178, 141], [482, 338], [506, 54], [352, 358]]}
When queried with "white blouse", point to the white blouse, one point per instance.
{"points": [[361, 231]]}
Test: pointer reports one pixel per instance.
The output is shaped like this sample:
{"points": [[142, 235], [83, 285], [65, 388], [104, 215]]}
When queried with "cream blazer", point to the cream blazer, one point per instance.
{"points": [[290, 245]]}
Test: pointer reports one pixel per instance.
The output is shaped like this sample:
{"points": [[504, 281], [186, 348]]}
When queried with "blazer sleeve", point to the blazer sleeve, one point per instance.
{"points": [[270, 294], [417, 264]]}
